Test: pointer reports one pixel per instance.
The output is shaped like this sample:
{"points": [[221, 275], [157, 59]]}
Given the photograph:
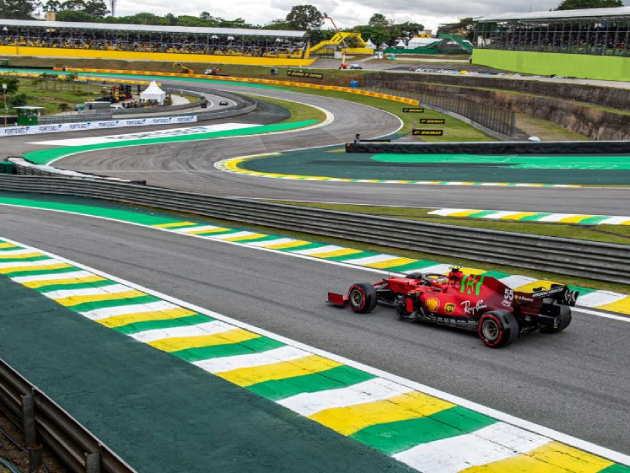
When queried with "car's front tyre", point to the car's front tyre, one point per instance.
{"points": [[362, 298]]}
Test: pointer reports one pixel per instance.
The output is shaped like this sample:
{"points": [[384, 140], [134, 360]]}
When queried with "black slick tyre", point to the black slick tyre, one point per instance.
{"points": [[362, 297], [498, 328], [565, 320]]}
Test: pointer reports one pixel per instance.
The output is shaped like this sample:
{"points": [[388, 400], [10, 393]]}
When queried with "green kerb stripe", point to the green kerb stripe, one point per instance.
{"points": [[334, 378], [483, 214], [394, 437], [42, 272], [78, 285], [535, 217], [594, 220], [306, 246], [88, 306], [255, 345], [137, 327], [25, 260], [616, 469]]}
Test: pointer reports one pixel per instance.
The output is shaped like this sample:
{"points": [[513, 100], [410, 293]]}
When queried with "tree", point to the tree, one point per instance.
{"points": [[409, 29], [12, 85], [579, 4], [75, 16], [378, 19], [18, 9], [96, 8], [305, 17]]}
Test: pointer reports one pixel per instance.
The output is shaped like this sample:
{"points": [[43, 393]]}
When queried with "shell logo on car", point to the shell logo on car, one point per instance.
{"points": [[432, 304]]}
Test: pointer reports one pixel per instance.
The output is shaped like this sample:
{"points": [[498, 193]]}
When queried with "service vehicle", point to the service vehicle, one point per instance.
{"points": [[478, 303], [223, 103]]}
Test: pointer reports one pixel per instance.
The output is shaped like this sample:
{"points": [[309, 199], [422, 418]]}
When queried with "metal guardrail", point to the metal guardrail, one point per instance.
{"points": [[594, 260], [44, 421]]}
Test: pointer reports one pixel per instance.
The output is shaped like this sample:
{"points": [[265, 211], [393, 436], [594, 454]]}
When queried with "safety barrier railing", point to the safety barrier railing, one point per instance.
{"points": [[587, 259], [43, 421]]}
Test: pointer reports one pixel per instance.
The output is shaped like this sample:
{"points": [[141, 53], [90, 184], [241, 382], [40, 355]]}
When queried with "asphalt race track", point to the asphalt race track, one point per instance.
{"points": [[190, 166], [570, 382]]}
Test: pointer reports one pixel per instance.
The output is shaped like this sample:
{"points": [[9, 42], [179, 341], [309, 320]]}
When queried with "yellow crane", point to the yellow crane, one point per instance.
{"points": [[185, 69], [344, 64]]}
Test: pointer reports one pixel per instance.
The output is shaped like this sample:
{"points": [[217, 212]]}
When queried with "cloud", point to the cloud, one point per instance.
{"points": [[347, 13]]}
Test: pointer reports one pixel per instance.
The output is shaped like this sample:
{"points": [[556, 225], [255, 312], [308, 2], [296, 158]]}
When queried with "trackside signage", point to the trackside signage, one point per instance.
{"points": [[307, 75], [432, 121], [428, 132], [64, 127], [413, 110]]}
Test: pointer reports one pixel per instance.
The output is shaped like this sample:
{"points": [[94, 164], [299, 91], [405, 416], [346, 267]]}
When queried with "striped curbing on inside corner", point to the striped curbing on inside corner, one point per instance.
{"points": [[541, 217], [233, 165], [425, 432]]}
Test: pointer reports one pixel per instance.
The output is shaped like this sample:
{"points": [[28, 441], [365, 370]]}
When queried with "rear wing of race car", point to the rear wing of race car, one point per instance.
{"points": [[560, 294]]}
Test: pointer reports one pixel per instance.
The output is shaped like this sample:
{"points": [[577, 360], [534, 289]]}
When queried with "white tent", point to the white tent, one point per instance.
{"points": [[153, 92]]}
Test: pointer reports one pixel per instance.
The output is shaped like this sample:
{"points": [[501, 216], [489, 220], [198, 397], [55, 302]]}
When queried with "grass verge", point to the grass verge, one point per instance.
{"points": [[299, 111], [52, 94], [571, 280], [454, 130]]}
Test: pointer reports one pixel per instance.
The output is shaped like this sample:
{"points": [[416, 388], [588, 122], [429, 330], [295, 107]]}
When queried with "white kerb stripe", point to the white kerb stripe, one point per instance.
{"points": [[598, 298], [614, 221], [372, 259], [230, 235], [556, 217], [220, 365], [90, 291], [53, 277], [498, 215], [206, 328], [321, 249], [494, 443], [17, 264], [278, 241], [437, 269], [517, 281], [373, 390], [447, 212], [107, 312], [193, 229]]}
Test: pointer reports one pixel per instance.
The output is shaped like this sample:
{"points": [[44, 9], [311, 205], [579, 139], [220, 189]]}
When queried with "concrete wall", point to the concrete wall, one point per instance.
{"points": [[594, 123]]}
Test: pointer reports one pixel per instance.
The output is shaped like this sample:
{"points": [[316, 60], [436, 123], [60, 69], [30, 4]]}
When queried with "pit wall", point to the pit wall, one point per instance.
{"points": [[582, 66], [146, 56]]}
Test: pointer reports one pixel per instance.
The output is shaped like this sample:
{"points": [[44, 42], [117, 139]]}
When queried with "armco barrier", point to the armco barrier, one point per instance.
{"points": [[349, 90], [512, 147], [44, 421], [594, 260]]}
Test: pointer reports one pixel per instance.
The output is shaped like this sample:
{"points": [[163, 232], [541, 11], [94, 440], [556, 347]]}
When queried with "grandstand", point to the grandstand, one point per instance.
{"points": [[589, 43], [150, 42]]}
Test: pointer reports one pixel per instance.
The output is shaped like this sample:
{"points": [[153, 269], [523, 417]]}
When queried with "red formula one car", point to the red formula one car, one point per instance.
{"points": [[484, 304]]}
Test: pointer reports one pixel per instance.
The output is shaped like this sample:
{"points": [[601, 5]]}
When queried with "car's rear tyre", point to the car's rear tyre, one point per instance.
{"points": [[565, 321], [362, 298], [498, 329]]}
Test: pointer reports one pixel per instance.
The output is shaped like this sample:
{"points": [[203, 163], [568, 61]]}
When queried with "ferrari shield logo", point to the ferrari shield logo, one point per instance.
{"points": [[449, 308]]}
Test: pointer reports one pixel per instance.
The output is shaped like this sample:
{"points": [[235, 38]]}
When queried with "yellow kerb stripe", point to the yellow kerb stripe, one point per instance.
{"points": [[348, 420], [184, 343], [518, 216], [247, 237], [464, 214], [627, 222], [120, 320], [575, 218], [286, 369], [76, 300], [18, 269], [332, 254], [536, 284], [622, 306], [62, 282], [553, 457], [8, 245], [22, 256], [203, 232], [291, 244], [174, 225], [391, 263], [472, 271]]}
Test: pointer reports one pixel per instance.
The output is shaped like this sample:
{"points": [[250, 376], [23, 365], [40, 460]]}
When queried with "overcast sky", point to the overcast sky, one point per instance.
{"points": [[346, 13]]}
